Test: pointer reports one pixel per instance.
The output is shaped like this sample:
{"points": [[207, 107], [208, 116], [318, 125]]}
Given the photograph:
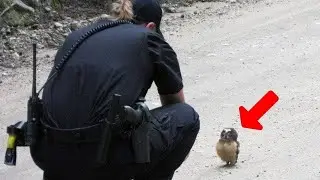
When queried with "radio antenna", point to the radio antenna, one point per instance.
{"points": [[34, 64]]}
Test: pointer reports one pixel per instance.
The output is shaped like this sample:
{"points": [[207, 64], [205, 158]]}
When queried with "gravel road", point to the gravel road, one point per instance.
{"points": [[228, 61]]}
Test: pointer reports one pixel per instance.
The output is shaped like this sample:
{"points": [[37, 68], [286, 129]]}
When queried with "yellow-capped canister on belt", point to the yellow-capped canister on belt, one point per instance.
{"points": [[11, 152]]}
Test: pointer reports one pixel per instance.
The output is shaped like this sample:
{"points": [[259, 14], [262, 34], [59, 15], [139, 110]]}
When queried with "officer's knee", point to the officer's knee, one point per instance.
{"points": [[190, 117]]}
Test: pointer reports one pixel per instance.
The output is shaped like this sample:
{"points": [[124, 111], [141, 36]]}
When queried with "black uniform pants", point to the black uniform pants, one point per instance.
{"points": [[172, 137]]}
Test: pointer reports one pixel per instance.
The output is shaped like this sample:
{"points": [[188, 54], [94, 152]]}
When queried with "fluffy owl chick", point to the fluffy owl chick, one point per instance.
{"points": [[228, 146]]}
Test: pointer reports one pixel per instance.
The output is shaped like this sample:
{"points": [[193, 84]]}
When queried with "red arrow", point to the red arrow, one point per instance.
{"points": [[250, 119]]}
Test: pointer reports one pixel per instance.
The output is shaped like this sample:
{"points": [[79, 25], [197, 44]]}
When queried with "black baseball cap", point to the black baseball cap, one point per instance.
{"points": [[148, 11]]}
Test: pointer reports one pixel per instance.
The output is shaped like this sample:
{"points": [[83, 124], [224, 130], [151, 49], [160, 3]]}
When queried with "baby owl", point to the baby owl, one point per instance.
{"points": [[228, 146]]}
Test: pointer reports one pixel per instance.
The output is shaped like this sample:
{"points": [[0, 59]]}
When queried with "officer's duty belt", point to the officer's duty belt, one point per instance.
{"points": [[79, 135]]}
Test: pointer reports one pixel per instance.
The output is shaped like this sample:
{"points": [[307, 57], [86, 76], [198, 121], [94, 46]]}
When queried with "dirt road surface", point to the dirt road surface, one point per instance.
{"points": [[229, 61]]}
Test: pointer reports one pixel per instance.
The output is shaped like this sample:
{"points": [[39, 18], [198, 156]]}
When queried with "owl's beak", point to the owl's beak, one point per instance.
{"points": [[224, 137]]}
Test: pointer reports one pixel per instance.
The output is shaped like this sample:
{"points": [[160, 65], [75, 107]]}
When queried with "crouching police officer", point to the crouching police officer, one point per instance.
{"points": [[115, 59]]}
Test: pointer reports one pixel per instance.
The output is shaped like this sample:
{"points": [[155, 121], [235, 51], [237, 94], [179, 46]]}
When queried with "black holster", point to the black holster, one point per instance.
{"points": [[127, 122], [140, 135]]}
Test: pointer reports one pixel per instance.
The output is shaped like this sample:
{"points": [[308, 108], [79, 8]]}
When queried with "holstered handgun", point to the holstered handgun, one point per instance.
{"points": [[139, 118], [118, 118], [112, 118]]}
